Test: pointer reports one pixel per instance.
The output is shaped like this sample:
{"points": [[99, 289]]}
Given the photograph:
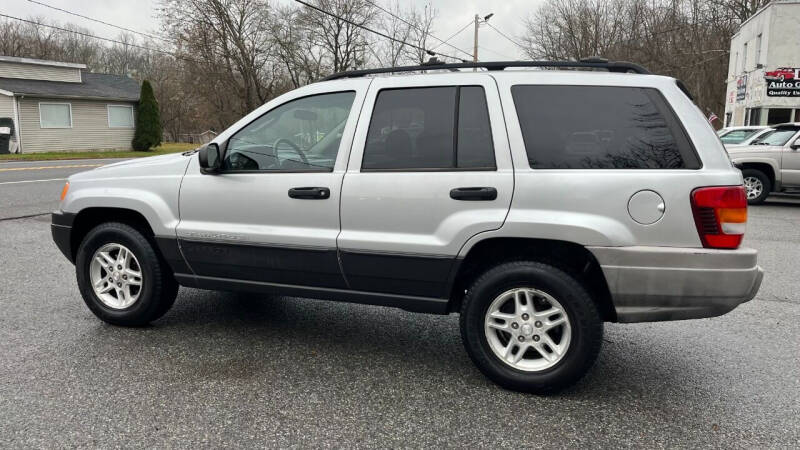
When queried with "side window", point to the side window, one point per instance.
{"points": [[600, 127], [435, 128], [475, 148], [300, 135]]}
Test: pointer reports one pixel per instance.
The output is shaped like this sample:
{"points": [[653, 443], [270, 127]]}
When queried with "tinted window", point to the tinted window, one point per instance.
{"points": [[303, 134], [475, 149], [416, 129], [598, 127]]}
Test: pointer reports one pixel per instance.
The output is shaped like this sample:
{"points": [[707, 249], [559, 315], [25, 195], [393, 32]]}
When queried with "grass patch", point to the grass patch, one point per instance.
{"points": [[163, 149]]}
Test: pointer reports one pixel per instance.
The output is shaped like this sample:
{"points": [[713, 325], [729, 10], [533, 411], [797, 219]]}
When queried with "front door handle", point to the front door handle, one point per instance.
{"points": [[473, 193], [310, 193]]}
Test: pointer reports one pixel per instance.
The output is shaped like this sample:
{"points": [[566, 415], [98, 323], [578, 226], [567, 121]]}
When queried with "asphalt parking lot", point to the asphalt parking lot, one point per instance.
{"points": [[242, 371]]}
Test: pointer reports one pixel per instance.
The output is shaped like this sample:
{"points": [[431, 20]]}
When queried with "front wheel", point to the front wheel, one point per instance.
{"points": [[121, 278], [531, 327], [756, 185]]}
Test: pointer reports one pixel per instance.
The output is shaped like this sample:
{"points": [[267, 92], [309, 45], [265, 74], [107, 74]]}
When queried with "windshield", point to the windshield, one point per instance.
{"points": [[776, 137], [737, 136]]}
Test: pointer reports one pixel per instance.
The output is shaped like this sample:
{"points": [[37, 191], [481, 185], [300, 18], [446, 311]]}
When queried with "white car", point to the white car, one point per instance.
{"points": [[537, 204], [739, 135]]}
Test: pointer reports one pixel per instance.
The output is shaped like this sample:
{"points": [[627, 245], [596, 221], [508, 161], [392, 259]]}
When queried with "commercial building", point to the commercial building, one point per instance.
{"points": [[53, 106], [764, 68]]}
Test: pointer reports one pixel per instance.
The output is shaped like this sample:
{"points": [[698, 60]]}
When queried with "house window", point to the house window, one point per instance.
{"points": [[758, 50], [744, 58], [55, 115], [120, 116]]}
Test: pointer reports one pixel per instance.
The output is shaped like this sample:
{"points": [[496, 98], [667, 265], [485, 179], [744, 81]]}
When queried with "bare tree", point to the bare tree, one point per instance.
{"points": [[742, 9], [301, 60], [687, 39], [339, 34], [421, 32], [394, 23], [233, 34]]}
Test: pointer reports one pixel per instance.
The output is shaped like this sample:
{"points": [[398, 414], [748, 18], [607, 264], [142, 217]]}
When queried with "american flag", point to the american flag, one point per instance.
{"points": [[712, 118]]}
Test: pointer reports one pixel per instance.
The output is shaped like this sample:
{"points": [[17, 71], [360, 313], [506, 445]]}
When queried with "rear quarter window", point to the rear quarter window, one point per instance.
{"points": [[601, 127]]}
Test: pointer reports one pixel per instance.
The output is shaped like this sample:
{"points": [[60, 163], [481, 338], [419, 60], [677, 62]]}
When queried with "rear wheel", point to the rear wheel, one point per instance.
{"points": [[531, 327], [757, 186], [121, 277]]}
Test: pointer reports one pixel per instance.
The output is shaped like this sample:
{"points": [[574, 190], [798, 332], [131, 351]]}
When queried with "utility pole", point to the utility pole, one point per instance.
{"points": [[478, 21], [475, 48]]}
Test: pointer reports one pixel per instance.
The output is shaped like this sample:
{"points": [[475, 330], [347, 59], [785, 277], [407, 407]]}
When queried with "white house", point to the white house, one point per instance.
{"points": [[55, 106]]}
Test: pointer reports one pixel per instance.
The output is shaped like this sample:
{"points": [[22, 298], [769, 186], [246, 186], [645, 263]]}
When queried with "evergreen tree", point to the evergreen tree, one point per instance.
{"points": [[148, 120]]}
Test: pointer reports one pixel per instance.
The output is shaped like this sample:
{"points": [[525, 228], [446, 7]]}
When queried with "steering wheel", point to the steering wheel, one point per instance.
{"points": [[291, 144]]}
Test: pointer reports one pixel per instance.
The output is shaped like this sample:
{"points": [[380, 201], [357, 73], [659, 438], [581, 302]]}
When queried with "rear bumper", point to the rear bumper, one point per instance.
{"points": [[661, 283], [61, 229]]}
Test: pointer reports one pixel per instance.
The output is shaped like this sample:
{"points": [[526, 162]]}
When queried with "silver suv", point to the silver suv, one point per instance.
{"points": [[538, 204], [771, 163]]}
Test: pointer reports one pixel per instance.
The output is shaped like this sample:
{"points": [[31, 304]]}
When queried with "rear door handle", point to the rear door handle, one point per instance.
{"points": [[473, 193], [310, 193]]}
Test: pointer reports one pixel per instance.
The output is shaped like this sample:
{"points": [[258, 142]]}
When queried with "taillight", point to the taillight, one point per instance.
{"points": [[720, 213]]}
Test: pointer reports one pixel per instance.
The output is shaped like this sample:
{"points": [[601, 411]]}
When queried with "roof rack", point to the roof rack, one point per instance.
{"points": [[587, 63]]}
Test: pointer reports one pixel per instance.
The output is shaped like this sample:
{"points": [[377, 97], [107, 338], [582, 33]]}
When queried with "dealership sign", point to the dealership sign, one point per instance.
{"points": [[783, 82]]}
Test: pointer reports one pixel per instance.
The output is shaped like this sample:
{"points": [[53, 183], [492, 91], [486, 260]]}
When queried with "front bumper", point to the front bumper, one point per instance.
{"points": [[663, 283], [61, 229]]}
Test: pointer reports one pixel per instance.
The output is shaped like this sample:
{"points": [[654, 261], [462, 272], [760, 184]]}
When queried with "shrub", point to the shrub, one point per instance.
{"points": [[148, 120]]}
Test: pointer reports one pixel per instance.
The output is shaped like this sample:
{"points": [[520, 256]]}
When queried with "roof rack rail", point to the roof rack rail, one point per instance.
{"points": [[586, 63]]}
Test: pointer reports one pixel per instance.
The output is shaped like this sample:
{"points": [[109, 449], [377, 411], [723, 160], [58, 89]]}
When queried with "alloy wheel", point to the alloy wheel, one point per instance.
{"points": [[753, 187], [116, 276], [527, 329]]}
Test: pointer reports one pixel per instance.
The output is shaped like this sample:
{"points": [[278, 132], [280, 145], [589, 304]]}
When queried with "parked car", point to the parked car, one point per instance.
{"points": [[749, 140], [452, 192], [737, 135], [780, 74], [771, 163]]}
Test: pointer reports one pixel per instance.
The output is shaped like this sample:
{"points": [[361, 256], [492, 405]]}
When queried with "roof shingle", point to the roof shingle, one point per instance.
{"points": [[94, 86]]}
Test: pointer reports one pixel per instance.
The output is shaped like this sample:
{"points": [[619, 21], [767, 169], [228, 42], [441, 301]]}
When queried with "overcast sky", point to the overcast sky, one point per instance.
{"points": [[140, 15]]}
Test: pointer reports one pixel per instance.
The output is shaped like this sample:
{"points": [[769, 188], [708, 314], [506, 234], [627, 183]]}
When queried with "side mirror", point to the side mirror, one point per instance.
{"points": [[209, 158], [795, 145]]}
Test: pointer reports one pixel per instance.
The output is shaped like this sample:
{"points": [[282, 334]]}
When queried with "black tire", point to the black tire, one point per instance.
{"points": [[761, 176], [159, 287], [585, 321]]}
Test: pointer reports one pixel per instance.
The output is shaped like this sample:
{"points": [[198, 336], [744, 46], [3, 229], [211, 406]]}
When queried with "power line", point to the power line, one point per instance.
{"points": [[399, 41], [497, 53], [417, 27], [101, 38], [455, 34], [504, 35], [99, 21]]}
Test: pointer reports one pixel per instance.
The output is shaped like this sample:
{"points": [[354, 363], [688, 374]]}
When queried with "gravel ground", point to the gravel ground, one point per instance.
{"points": [[242, 371]]}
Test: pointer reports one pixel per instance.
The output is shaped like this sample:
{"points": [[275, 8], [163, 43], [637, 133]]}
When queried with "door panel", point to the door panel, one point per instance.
{"points": [[401, 230], [245, 226], [257, 220], [790, 165], [393, 273], [275, 264]]}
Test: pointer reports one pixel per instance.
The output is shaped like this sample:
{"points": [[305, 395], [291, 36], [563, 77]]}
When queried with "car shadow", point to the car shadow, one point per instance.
{"points": [[224, 337]]}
